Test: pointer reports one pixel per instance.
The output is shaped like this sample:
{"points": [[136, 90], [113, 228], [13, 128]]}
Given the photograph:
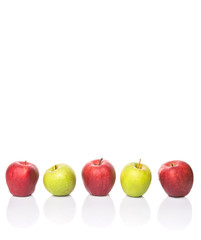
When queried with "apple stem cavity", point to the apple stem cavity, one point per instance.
{"points": [[100, 161], [139, 165]]}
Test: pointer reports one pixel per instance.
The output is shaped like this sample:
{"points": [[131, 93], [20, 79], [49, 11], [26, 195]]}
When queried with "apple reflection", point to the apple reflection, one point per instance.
{"points": [[60, 210], [22, 212], [175, 213], [98, 211], [134, 211]]}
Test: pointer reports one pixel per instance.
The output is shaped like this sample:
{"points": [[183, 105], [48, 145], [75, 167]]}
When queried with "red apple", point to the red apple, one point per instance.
{"points": [[98, 177], [21, 178], [176, 178]]}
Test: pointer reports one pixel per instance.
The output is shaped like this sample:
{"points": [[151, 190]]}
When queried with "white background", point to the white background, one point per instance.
{"points": [[80, 80]]}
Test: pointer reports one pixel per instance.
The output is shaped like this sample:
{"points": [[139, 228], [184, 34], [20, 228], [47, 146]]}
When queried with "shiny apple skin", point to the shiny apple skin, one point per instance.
{"points": [[98, 179], [176, 178], [21, 178]]}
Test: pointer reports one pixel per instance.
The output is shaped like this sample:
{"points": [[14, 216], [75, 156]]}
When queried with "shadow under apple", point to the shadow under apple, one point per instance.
{"points": [[60, 210], [98, 211], [22, 212], [134, 211], [175, 213]]}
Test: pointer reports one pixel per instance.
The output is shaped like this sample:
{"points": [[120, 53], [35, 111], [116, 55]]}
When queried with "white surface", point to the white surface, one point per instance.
{"points": [[81, 80]]}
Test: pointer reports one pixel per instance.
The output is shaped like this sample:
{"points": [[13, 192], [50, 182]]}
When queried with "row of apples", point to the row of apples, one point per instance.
{"points": [[176, 178]]}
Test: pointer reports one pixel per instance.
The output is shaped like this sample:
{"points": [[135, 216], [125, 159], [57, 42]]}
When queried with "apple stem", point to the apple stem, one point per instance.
{"points": [[139, 166], [55, 167], [25, 162], [100, 161]]}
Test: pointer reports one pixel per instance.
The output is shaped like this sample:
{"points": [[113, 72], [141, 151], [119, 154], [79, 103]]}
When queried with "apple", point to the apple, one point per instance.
{"points": [[176, 178], [21, 178], [99, 177], [135, 179], [59, 180]]}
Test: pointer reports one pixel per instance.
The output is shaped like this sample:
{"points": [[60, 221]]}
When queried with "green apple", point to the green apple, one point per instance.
{"points": [[135, 179], [59, 180]]}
